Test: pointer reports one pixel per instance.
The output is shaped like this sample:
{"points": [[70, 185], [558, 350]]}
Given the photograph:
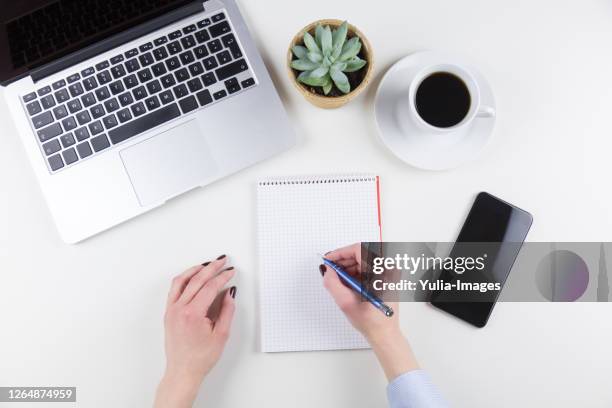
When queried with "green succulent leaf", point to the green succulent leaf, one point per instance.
{"points": [[305, 78], [319, 72], [354, 64], [310, 43], [350, 49], [303, 65], [326, 40], [339, 66], [341, 80], [319, 35], [299, 51], [339, 37], [327, 87], [314, 57]]}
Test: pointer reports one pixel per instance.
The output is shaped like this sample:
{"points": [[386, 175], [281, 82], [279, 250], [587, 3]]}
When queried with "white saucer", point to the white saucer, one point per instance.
{"points": [[413, 145]]}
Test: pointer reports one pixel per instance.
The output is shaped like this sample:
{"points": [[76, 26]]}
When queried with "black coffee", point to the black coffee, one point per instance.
{"points": [[442, 99]]}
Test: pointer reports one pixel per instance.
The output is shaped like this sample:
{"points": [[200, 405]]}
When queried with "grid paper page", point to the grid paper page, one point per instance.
{"points": [[299, 218]]}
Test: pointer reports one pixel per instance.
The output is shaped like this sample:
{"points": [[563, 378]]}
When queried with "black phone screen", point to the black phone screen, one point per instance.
{"points": [[498, 228]]}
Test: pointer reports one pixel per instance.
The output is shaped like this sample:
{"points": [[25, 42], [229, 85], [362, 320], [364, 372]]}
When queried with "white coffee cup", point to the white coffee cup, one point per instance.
{"points": [[475, 110]]}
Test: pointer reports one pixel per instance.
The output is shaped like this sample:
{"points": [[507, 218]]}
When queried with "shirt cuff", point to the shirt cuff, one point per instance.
{"points": [[414, 389]]}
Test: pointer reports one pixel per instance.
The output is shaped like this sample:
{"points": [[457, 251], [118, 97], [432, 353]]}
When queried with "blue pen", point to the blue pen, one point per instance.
{"points": [[356, 286]]}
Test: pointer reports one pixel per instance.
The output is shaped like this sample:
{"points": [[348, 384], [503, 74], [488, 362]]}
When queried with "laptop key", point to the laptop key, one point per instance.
{"points": [[144, 75], [217, 17], [196, 69], [124, 115], [88, 99], [118, 71], [174, 47], [104, 77], [67, 140], [75, 89], [188, 104], [209, 79], [125, 99], [235, 50], [231, 69], [116, 87], [29, 97], [159, 69], [116, 59], [102, 65], [90, 83], [180, 91], [160, 53], [47, 101], [152, 102], [154, 87], [166, 97], [187, 57], [130, 81], [97, 111], [188, 41], [60, 112], [131, 53], [55, 162], [204, 23], [110, 121], [167, 81], [83, 117], [132, 65], [87, 72], [68, 123], [73, 78], [42, 120], [248, 82], [174, 35], [202, 36], [214, 46], [173, 63], [182, 75], [49, 132], [210, 63], [51, 147], [204, 97], [81, 134], [224, 57], [144, 123], [189, 29], [146, 59], [232, 85], [62, 95], [140, 93], [138, 109], [33, 108], [194, 85], [102, 93], [70, 156], [220, 94], [201, 51], [84, 149], [74, 106], [219, 29], [160, 40], [99, 143], [95, 127], [111, 105], [58, 84], [145, 47]]}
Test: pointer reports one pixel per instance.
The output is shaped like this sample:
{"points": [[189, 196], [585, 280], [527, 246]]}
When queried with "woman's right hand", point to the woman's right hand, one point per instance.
{"points": [[382, 332]]}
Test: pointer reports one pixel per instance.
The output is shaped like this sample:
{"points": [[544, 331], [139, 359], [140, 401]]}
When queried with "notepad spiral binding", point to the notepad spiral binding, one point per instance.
{"points": [[317, 180]]}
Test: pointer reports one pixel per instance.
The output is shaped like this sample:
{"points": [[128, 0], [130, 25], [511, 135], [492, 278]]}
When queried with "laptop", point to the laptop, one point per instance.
{"points": [[122, 105]]}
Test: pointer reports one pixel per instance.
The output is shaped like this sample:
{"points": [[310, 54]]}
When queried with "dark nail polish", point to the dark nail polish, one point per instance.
{"points": [[220, 257], [232, 291], [228, 269], [206, 263], [322, 269]]}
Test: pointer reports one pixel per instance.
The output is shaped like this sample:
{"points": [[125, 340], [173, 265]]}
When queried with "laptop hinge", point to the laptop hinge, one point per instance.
{"points": [[115, 41]]}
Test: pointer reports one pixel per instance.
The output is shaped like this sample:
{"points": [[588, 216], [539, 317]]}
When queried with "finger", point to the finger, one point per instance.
{"points": [[207, 294], [180, 281], [223, 323], [342, 295], [204, 275], [351, 252], [347, 263]]}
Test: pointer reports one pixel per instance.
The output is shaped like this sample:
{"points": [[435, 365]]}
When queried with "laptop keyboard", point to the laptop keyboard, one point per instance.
{"points": [[103, 105]]}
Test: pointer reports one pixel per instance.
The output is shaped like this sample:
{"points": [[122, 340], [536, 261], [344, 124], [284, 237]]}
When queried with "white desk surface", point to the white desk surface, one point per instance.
{"points": [[90, 315]]}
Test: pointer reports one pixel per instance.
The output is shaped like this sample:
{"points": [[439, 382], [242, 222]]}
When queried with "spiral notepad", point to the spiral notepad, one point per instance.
{"points": [[298, 218]]}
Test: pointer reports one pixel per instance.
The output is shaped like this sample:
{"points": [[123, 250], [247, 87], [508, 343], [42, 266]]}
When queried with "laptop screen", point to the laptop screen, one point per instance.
{"points": [[36, 32]]}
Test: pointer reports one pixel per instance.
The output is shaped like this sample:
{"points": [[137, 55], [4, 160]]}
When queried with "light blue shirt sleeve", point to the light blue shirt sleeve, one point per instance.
{"points": [[414, 389]]}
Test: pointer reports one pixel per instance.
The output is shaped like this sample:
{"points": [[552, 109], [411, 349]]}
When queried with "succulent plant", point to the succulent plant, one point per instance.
{"points": [[324, 59]]}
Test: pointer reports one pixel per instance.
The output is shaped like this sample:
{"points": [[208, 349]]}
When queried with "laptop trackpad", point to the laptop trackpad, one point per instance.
{"points": [[169, 164]]}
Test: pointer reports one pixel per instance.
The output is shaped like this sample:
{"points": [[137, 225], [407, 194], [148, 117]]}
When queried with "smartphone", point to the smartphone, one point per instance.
{"points": [[499, 229]]}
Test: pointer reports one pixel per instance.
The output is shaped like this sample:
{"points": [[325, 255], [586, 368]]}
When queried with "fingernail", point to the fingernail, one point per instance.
{"points": [[232, 291], [228, 268], [206, 263], [322, 269], [327, 252], [220, 257]]}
